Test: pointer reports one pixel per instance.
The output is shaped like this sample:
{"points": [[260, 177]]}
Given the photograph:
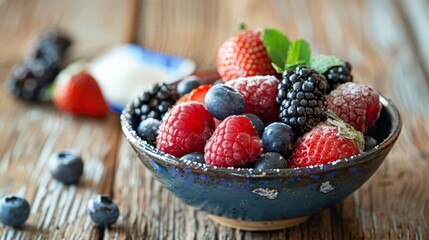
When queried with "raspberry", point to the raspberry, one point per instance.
{"points": [[325, 143], [356, 104], [259, 94], [234, 143], [300, 97], [185, 129]]}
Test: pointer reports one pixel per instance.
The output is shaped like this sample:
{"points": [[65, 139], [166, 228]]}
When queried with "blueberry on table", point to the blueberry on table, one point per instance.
{"points": [[222, 101], [194, 157], [102, 210], [148, 130], [278, 137], [14, 210], [256, 122], [188, 84], [270, 160], [66, 166]]}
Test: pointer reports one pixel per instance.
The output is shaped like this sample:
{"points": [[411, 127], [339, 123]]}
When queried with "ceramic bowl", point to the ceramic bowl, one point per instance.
{"points": [[265, 200]]}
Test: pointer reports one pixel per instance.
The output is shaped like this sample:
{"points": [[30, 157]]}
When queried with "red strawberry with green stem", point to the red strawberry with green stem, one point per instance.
{"points": [[243, 55]]}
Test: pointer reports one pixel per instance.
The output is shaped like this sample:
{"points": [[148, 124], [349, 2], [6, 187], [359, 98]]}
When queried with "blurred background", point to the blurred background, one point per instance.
{"points": [[382, 39], [386, 42]]}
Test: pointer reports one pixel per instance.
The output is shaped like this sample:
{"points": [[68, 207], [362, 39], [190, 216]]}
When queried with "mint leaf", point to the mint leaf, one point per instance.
{"points": [[277, 46], [299, 54], [277, 68], [321, 63]]}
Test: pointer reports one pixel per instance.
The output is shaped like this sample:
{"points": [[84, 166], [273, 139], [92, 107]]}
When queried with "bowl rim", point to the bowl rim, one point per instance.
{"points": [[137, 142]]}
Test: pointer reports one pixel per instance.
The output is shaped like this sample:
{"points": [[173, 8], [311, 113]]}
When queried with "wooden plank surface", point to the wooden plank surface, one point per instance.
{"points": [[384, 40]]}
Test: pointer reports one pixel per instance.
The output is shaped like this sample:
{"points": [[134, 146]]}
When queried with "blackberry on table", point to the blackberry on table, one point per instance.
{"points": [[155, 102], [300, 98], [338, 75], [32, 79]]}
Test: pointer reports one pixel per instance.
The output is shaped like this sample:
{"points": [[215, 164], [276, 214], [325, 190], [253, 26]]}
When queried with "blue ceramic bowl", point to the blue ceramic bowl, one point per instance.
{"points": [[271, 199]]}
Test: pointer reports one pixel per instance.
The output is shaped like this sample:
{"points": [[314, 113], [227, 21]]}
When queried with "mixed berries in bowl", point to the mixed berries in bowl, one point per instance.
{"points": [[269, 145]]}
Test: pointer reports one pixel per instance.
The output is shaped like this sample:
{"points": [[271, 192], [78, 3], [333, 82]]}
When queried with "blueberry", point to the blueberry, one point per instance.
{"points": [[280, 138], [14, 210], [222, 101], [148, 130], [66, 166], [369, 143], [194, 157], [270, 160], [188, 84], [219, 81], [102, 210], [256, 122]]}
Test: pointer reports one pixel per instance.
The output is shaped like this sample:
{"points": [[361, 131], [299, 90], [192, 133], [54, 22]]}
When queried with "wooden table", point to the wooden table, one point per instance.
{"points": [[386, 41]]}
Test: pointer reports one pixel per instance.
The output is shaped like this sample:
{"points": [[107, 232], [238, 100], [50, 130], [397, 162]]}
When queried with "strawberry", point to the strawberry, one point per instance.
{"points": [[259, 94], [79, 94], [197, 95], [356, 104], [243, 55], [234, 143], [327, 142], [185, 129]]}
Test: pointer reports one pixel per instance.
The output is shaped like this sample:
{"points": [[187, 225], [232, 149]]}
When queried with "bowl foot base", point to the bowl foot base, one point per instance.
{"points": [[258, 225]]}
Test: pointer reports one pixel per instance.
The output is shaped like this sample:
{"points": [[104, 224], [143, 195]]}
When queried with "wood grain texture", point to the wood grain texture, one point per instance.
{"points": [[94, 25], [31, 132], [384, 40]]}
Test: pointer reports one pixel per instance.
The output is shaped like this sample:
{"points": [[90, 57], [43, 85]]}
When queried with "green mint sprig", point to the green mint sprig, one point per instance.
{"points": [[282, 53], [277, 46], [321, 63], [299, 54]]}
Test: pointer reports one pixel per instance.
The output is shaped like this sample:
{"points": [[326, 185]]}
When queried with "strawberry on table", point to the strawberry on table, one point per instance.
{"points": [[234, 143], [243, 55], [356, 104], [79, 94], [185, 129], [327, 142]]}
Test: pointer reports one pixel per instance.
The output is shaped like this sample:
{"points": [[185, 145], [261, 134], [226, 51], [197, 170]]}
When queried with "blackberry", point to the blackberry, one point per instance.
{"points": [[32, 79], [155, 102], [300, 98], [338, 75]]}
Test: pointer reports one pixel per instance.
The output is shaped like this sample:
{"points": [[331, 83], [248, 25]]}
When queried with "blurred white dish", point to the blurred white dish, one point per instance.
{"points": [[125, 70]]}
